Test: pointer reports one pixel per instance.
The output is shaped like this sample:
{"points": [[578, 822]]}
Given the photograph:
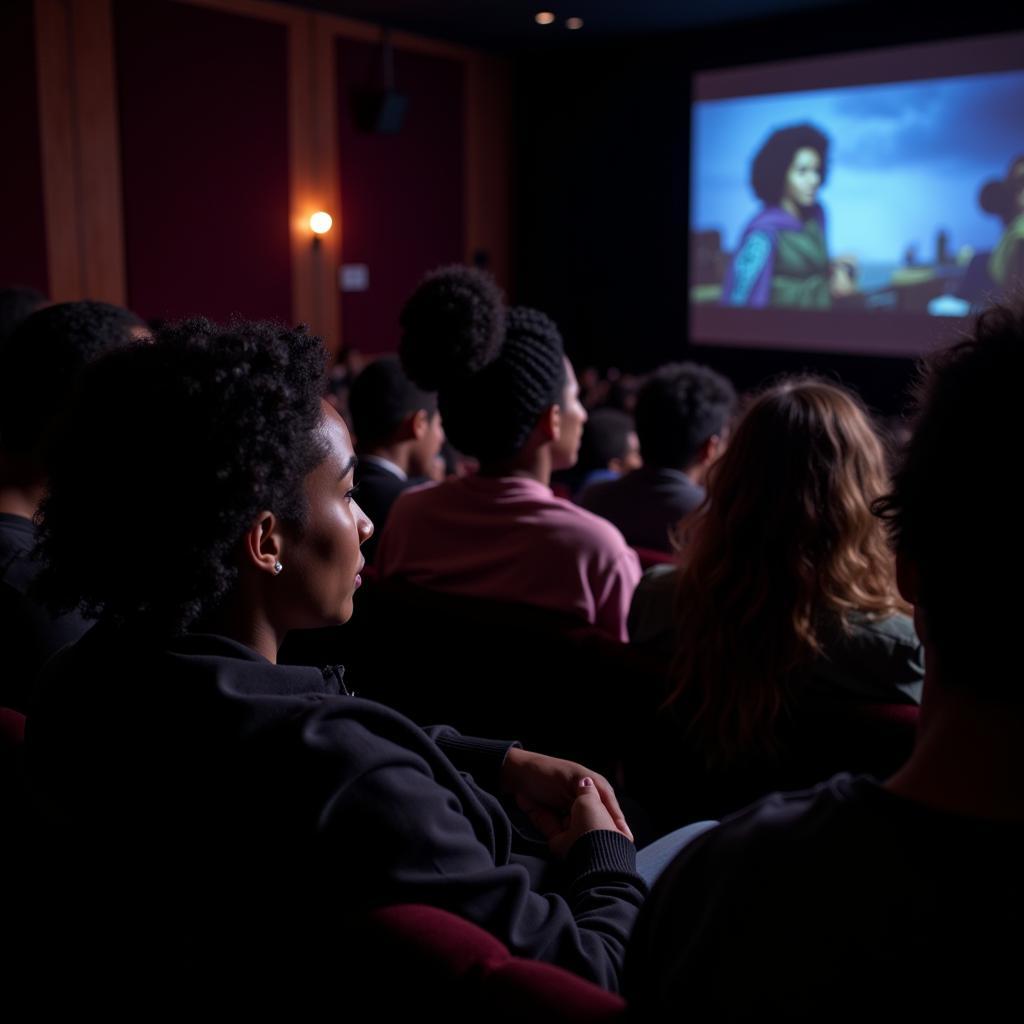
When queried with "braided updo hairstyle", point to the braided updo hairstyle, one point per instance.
{"points": [[495, 369]]}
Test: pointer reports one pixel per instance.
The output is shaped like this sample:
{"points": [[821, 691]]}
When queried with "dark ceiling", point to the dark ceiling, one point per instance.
{"points": [[509, 25]]}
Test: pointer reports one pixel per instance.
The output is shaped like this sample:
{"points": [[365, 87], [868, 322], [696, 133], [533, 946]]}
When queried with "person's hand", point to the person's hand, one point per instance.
{"points": [[588, 813], [549, 788]]}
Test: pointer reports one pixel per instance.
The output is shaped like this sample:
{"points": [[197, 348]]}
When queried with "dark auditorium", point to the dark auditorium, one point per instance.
{"points": [[476, 533]]}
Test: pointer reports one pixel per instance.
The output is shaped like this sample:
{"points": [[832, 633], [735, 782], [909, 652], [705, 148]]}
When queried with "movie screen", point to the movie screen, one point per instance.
{"points": [[850, 215]]}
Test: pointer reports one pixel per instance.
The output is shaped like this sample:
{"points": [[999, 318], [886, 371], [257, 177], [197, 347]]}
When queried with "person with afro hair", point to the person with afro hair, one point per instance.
{"points": [[782, 257], [41, 361], [509, 398], [228, 814]]}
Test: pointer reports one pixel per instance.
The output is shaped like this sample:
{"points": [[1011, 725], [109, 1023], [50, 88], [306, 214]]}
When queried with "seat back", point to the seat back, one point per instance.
{"points": [[489, 668], [416, 956]]}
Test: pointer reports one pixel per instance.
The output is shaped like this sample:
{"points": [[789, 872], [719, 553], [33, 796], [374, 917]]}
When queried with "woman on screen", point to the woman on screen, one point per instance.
{"points": [[782, 259]]}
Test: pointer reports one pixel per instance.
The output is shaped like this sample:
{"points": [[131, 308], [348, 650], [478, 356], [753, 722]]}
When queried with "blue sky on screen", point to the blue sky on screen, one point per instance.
{"points": [[906, 159]]}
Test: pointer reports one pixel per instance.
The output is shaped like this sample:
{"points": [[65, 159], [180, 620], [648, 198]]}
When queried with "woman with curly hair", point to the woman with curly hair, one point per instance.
{"points": [[509, 398], [782, 257], [201, 506], [787, 589]]}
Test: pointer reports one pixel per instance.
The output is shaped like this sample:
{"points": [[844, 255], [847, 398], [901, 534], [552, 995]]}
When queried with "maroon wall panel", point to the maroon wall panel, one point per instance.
{"points": [[204, 141], [23, 231], [402, 196]]}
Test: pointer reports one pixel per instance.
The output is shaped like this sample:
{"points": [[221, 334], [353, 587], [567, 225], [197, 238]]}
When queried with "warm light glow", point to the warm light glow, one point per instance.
{"points": [[320, 223], [573, 23], [544, 17]]}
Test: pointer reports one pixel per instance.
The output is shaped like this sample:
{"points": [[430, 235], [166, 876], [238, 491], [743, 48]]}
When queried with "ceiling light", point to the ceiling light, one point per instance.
{"points": [[573, 23], [544, 17]]}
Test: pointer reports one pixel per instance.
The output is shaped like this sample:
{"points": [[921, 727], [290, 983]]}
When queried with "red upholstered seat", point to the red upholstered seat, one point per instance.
{"points": [[434, 958]]}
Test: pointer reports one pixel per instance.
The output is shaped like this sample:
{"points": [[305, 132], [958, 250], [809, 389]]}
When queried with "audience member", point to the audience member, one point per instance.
{"points": [[226, 812], [902, 900], [682, 420], [398, 438], [785, 604], [40, 364], [610, 447], [508, 397]]}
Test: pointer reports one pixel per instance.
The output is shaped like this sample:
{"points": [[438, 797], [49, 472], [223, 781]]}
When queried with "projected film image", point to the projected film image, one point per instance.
{"points": [[900, 197]]}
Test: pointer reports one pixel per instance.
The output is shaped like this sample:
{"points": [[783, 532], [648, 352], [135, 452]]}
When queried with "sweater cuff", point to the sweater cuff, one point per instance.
{"points": [[601, 852], [479, 757]]}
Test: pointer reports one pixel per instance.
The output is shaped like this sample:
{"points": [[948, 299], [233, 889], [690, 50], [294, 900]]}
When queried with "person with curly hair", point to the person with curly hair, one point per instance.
{"points": [[509, 398], [201, 506], [782, 257], [41, 360], [902, 899]]}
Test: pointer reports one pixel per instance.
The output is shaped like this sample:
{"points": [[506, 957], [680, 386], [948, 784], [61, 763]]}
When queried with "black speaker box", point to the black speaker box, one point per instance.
{"points": [[380, 111]]}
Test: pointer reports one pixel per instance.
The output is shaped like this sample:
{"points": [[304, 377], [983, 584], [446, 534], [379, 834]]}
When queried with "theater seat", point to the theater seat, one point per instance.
{"points": [[416, 957], [490, 668], [676, 787]]}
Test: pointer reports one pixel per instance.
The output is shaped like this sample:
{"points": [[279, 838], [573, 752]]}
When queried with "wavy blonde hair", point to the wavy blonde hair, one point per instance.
{"points": [[784, 547]]}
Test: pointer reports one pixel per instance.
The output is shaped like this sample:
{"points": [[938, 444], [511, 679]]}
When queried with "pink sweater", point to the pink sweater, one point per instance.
{"points": [[511, 539]]}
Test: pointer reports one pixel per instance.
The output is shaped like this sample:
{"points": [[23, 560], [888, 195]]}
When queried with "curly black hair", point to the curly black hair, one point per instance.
{"points": [[452, 326], [170, 453], [495, 369], [965, 546], [41, 361], [678, 408], [768, 171]]}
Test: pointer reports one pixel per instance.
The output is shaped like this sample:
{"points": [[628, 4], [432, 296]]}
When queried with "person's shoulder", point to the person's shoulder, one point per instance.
{"points": [[896, 630], [590, 527], [784, 820]]}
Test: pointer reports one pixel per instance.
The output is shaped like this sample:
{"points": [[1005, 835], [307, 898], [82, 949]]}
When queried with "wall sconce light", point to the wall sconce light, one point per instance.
{"points": [[320, 223]]}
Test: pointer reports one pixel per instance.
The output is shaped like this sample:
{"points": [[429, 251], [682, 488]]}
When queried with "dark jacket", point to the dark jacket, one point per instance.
{"points": [[645, 504], [29, 632], [258, 800]]}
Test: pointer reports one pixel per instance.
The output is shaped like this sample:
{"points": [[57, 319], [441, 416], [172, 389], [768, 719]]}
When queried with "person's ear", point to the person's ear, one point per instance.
{"points": [[550, 423], [419, 424], [263, 544], [711, 449], [409, 429]]}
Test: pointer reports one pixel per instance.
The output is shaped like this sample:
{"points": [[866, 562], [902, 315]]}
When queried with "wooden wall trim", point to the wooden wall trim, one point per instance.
{"points": [[261, 9], [57, 149], [367, 32], [80, 146], [313, 160], [98, 146]]}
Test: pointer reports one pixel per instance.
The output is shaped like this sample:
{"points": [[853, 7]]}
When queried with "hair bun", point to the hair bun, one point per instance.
{"points": [[452, 326]]}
